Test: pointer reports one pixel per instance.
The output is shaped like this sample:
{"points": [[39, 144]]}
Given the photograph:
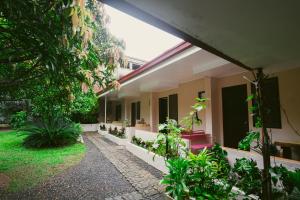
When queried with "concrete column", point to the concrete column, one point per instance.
{"points": [[105, 108], [211, 122], [153, 112]]}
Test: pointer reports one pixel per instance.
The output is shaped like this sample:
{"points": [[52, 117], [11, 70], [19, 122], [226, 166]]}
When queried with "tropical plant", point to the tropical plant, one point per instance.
{"points": [[52, 132], [192, 118], [220, 156], [177, 178], [139, 142], [286, 183], [196, 177], [248, 176], [18, 120], [168, 142]]}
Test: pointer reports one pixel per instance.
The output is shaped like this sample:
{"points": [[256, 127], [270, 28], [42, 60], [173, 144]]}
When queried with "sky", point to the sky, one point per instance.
{"points": [[142, 40]]}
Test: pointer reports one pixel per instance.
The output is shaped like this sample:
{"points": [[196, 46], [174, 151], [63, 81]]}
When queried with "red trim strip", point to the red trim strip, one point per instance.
{"points": [[154, 62]]}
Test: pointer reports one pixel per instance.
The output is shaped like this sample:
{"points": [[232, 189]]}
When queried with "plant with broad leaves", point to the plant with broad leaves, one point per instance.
{"points": [[196, 177], [53, 132], [192, 118], [220, 156], [177, 178], [168, 142], [248, 176]]}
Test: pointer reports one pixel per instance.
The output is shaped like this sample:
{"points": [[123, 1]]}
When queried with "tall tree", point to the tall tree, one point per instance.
{"points": [[49, 47]]}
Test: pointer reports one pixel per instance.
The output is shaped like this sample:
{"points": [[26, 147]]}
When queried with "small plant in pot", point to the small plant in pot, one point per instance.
{"points": [[192, 118]]}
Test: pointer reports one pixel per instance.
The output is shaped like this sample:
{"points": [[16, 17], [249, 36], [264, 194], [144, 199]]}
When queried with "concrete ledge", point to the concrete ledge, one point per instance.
{"points": [[101, 132], [116, 139], [90, 127], [147, 156], [233, 154]]}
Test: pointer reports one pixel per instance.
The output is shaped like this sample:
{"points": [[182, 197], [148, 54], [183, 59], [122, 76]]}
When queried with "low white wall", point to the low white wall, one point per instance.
{"points": [[129, 132], [115, 139], [145, 135], [113, 126], [158, 162], [233, 154], [89, 127]]}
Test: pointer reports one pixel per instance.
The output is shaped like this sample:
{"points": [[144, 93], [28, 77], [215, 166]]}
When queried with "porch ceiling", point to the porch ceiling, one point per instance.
{"points": [[248, 33], [191, 64]]}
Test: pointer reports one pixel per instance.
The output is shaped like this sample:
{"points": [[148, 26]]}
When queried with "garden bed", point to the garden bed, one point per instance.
{"points": [[158, 162], [115, 139]]}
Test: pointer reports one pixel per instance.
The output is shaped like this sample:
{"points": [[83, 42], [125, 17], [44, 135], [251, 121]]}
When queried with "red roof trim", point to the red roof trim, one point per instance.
{"points": [[154, 62]]}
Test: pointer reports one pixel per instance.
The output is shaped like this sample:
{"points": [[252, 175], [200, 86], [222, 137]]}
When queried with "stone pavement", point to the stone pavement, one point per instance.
{"points": [[107, 172], [145, 182]]}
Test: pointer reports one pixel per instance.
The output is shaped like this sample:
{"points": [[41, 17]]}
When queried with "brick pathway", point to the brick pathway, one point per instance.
{"points": [[146, 184]]}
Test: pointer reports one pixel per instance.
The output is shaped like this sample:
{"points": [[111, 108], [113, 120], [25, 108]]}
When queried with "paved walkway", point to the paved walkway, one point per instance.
{"points": [[107, 172]]}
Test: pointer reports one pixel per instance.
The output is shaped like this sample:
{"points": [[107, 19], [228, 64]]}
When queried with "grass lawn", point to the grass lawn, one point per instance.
{"points": [[27, 167]]}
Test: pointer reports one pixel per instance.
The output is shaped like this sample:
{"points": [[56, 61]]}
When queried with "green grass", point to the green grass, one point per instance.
{"points": [[28, 167]]}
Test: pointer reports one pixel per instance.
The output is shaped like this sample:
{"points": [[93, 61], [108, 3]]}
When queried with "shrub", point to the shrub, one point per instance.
{"points": [[196, 177], [248, 176], [144, 144], [102, 127], [18, 120], [168, 142], [116, 132], [220, 156], [51, 133]]}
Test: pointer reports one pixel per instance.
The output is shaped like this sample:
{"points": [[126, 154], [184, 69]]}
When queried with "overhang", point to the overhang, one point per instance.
{"points": [[251, 34]]}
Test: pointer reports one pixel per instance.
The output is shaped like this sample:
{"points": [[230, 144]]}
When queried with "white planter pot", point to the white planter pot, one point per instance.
{"points": [[147, 156]]}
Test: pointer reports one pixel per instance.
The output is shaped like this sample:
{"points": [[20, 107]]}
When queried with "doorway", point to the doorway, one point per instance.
{"points": [[235, 114], [133, 114], [163, 109]]}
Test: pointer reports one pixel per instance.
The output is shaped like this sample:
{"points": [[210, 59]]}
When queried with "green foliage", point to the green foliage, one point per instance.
{"points": [[196, 177], [252, 136], [116, 132], [220, 156], [50, 48], [18, 120], [168, 142], [177, 178], [286, 183], [247, 176], [192, 118], [139, 142], [53, 132]]}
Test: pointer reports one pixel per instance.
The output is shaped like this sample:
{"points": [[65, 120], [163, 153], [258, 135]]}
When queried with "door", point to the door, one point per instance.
{"points": [[163, 109], [173, 107], [235, 114], [133, 114]]}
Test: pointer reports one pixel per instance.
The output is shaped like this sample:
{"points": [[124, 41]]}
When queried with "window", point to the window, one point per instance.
{"points": [[271, 102]]}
